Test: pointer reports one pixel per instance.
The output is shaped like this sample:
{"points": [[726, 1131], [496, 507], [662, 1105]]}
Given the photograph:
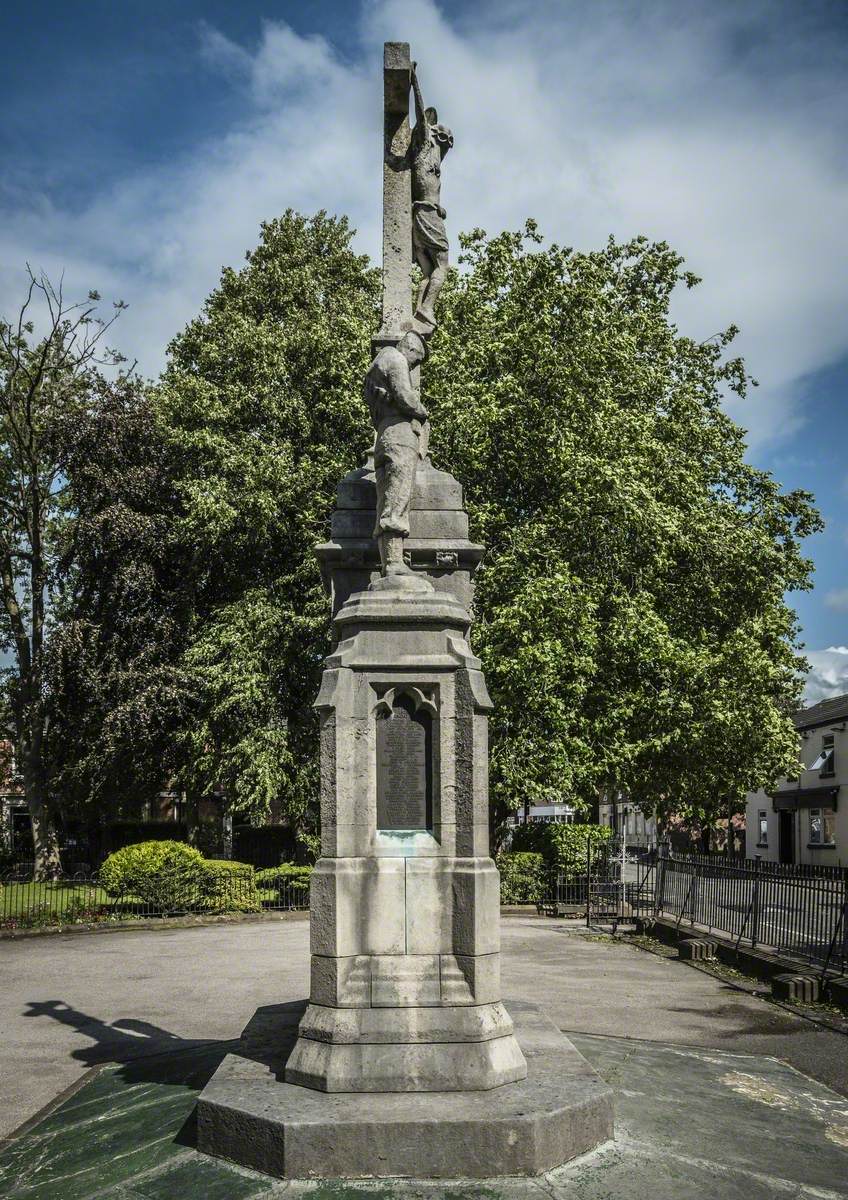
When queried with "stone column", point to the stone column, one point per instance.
{"points": [[397, 195], [405, 919], [405, 986]]}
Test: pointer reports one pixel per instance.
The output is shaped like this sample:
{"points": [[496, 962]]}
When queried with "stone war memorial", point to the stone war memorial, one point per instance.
{"points": [[406, 1061]]}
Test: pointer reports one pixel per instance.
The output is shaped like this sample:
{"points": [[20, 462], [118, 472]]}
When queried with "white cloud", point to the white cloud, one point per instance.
{"points": [[721, 132], [828, 674], [838, 599]]}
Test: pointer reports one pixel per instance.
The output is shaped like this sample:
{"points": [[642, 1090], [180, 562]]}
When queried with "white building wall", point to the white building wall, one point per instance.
{"points": [[805, 851]]}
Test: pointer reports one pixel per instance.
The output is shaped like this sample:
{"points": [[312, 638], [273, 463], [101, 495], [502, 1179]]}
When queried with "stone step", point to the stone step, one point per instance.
{"points": [[805, 988], [697, 949]]}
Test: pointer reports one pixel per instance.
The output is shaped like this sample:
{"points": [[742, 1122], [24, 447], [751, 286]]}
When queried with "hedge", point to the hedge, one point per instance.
{"points": [[524, 877], [563, 847], [228, 886], [285, 875], [171, 876], [164, 875]]}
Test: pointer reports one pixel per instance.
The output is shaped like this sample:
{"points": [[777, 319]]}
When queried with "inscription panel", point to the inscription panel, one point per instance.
{"points": [[405, 767]]}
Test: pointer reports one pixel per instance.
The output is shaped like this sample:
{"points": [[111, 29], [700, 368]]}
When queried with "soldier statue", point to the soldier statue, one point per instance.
{"points": [[402, 428]]}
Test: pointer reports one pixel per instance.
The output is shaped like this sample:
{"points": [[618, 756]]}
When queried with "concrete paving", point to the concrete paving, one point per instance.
{"points": [[691, 1124], [69, 1002]]}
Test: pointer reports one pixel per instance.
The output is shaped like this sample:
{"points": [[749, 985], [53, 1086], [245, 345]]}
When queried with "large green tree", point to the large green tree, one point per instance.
{"points": [[116, 690], [630, 610], [261, 403], [52, 388]]}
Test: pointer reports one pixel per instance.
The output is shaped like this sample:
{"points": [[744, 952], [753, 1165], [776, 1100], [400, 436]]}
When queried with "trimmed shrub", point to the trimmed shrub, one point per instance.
{"points": [[164, 875], [563, 847], [228, 886], [284, 873], [287, 881], [524, 877]]}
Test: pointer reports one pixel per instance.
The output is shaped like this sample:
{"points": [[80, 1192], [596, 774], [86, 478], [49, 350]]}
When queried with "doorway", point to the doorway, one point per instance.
{"points": [[786, 837]]}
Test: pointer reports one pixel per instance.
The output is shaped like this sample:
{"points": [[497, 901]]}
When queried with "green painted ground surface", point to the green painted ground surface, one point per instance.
{"points": [[691, 1123]]}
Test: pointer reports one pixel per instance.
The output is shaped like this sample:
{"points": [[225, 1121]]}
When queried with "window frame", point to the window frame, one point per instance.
{"points": [[828, 768], [818, 814], [825, 760], [762, 827]]}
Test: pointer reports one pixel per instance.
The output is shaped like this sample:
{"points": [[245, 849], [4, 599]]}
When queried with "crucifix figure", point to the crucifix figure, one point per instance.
{"points": [[413, 228], [430, 143]]}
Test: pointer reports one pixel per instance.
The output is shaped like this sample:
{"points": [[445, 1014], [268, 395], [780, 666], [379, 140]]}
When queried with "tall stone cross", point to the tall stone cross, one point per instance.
{"points": [[397, 194], [405, 992]]}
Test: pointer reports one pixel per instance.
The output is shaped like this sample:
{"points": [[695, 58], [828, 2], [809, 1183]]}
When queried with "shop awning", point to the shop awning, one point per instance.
{"points": [[811, 797]]}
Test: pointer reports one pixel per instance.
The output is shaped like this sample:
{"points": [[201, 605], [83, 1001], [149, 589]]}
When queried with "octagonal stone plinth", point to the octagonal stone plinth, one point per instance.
{"points": [[249, 1115]]}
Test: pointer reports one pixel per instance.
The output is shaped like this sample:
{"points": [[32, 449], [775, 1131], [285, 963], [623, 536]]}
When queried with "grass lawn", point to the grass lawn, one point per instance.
{"points": [[36, 903], [24, 905]]}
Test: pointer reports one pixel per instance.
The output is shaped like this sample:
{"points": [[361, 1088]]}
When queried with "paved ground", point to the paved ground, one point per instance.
{"points": [[69, 1002], [691, 1124], [700, 1111]]}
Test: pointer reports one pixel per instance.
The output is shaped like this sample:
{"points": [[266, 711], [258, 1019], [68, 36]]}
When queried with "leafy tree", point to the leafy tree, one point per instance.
{"points": [[116, 690], [261, 403], [630, 608], [46, 383], [629, 611]]}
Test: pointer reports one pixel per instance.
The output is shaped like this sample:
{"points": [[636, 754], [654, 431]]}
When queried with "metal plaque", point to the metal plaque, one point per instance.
{"points": [[405, 767]]}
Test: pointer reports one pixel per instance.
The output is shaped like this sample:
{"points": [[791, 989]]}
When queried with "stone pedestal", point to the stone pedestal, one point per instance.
{"points": [[437, 546], [405, 917], [405, 991], [246, 1113]]}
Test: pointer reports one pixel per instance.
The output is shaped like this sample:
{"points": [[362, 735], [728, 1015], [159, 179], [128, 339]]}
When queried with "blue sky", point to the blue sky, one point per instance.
{"points": [[143, 143]]}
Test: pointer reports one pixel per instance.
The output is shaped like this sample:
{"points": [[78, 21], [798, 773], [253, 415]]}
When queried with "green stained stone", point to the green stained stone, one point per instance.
{"points": [[125, 1122], [200, 1177], [693, 1124]]}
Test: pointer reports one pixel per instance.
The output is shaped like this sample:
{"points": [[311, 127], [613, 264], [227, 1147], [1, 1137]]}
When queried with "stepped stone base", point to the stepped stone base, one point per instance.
{"points": [[405, 1049], [804, 988], [248, 1114]]}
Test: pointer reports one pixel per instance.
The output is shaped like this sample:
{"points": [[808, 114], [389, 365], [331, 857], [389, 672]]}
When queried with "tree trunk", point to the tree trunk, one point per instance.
{"points": [[45, 838], [191, 817]]}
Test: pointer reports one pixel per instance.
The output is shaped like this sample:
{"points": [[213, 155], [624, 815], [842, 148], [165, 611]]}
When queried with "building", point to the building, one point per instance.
{"points": [[543, 814], [15, 824], [627, 820], [801, 820]]}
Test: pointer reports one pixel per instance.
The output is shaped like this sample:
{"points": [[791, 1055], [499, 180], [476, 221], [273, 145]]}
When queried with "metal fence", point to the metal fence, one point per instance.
{"points": [[801, 911], [798, 910], [616, 883], [27, 903]]}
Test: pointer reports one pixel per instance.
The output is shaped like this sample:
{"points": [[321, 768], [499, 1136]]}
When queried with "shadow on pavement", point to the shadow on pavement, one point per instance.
{"points": [[147, 1054]]}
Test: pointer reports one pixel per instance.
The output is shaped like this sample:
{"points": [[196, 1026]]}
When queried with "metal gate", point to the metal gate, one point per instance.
{"points": [[605, 881], [617, 883]]}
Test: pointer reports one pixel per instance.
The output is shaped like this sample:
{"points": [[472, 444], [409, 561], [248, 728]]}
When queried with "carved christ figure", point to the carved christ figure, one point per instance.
{"points": [[430, 143], [400, 421]]}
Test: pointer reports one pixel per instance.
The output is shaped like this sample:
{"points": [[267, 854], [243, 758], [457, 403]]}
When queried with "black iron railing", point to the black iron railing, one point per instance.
{"points": [[801, 911], [794, 909], [27, 903]]}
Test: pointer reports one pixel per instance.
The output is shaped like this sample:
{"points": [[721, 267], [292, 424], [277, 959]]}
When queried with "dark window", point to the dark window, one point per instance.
{"points": [[825, 764], [762, 818], [829, 751], [822, 827]]}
